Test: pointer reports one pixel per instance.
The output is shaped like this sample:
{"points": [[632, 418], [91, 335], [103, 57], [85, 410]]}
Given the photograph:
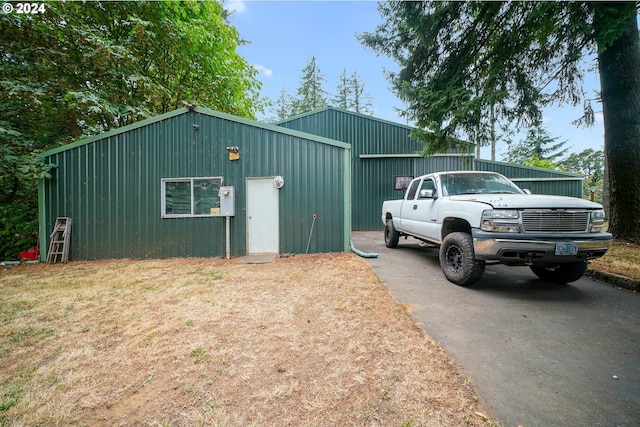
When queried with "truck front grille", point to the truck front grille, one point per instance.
{"points": [[554, 221]]}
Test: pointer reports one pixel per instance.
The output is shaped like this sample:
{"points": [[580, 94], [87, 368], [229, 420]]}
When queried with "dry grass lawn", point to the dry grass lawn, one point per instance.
{"points": [[622, 258], [311, 340]]}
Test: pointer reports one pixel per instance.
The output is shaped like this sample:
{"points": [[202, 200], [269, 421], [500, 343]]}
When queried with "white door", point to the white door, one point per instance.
{"points": [[262, 217]]}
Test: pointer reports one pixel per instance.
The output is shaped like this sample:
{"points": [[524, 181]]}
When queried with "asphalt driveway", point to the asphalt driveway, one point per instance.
{"points": [[539, 354]]}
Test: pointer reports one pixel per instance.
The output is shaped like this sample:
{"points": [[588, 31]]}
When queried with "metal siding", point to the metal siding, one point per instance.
{"points": [[375, 183], [372, 178], [560, 188], [366, 134], [424, 166], [111, 188], [514, 170], [540, 181], [314, 184]]}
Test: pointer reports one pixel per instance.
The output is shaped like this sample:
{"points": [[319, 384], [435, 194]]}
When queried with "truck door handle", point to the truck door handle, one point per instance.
{"points": [[415, 207]]}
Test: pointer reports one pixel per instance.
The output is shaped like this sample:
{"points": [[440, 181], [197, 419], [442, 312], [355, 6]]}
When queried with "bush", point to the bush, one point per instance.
{"points": [[18, 228]]}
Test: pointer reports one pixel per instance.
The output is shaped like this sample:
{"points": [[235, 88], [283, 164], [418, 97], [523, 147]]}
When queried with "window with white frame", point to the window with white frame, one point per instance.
{"points": [[191, 197]]}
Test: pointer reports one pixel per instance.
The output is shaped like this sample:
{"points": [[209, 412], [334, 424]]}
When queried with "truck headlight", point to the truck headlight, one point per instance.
{"points": [[597, 221], [500, 221]]}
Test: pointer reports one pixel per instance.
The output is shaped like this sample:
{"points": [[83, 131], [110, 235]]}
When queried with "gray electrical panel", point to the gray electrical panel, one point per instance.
{"points": [[227, 201]]}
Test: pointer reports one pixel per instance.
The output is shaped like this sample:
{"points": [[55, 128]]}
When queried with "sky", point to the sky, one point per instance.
{"points": [[283, 36]]}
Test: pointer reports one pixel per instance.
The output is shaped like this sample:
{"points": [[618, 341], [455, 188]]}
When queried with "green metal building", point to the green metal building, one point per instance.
{"points": [[168, 186], [162, 187], [384, 158]]}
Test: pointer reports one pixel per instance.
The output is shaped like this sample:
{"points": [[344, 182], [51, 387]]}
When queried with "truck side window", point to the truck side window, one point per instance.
{"points": [[413, 188], [428, 184]]}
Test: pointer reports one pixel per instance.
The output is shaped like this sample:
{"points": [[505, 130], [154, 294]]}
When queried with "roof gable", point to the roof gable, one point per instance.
{"points": [[198, 110], [324, 110], [375, 135]]}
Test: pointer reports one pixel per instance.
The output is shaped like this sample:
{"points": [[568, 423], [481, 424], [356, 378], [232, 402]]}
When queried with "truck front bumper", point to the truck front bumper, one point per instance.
{"points": [[524, 248]]}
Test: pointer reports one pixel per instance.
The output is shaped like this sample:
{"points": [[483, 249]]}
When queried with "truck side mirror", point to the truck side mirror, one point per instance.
{"points": [[427, 194]]}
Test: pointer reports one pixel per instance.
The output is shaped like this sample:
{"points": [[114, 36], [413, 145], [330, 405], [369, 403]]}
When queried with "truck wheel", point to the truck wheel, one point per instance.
{"points": [[457, 259], [391, 235], [560, 273]]}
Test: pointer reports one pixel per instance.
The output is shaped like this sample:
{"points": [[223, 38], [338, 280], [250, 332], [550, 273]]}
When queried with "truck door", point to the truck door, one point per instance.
{"points": [[405, 210], [422, 213]]}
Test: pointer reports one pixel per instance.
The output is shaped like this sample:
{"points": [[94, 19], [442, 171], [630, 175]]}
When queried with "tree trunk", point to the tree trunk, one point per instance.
{"points": [[493, 132], [605, 189], [619, 63]]}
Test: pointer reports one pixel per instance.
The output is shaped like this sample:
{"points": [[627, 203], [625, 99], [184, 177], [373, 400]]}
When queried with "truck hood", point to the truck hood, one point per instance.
{"points": [[527, 201]]}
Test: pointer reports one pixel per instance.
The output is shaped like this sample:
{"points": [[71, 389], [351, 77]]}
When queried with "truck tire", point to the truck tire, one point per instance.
{"points": [[457, 259], [391, 235], [560, 273]]}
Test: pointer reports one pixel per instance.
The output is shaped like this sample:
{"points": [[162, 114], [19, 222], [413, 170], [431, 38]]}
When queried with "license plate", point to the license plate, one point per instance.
{"points": [[566, 248]]}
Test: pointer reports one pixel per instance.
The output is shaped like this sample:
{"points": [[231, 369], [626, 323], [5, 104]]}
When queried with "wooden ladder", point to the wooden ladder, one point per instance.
{"points": [[60, 239]]}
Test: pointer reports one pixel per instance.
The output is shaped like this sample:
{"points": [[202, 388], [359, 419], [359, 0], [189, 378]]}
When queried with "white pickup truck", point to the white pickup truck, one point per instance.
{"points": [[477, 217]]}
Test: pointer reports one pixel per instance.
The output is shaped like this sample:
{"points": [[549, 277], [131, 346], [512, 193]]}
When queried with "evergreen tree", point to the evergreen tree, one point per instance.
{"points": [[343, 98], [538, 149], [350, 94], [310, 93], [283, 106], [361, 101]]}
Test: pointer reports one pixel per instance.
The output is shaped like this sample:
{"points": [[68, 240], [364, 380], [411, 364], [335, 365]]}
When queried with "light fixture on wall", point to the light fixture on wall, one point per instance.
{"points": [[234, 152]]}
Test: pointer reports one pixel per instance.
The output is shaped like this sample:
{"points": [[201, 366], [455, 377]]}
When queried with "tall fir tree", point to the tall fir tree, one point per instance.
{"points": [[351, 95], [310, 94], [361, 100], [538, 145], [283, 106], [342, 98]]}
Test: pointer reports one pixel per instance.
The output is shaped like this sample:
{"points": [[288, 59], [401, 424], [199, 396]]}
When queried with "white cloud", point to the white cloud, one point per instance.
{"points": [[235, 6], [264, 70]]}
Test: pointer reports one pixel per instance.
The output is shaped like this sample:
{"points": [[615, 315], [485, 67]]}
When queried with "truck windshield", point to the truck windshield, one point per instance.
{"points": [[454, 184]]}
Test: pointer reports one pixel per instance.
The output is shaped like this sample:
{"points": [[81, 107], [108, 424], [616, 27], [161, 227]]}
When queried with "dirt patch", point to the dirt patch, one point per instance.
{"points": [[307, 340]]}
